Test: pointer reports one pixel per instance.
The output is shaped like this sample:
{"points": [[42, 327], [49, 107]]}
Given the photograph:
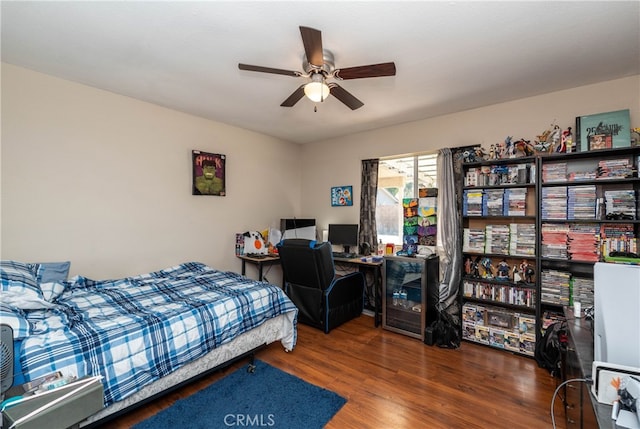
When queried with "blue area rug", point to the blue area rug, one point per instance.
{"points": [[268, 398]]}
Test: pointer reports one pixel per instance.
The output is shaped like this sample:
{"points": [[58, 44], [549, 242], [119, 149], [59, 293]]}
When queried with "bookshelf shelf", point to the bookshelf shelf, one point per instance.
{"points": [[563, 207]]}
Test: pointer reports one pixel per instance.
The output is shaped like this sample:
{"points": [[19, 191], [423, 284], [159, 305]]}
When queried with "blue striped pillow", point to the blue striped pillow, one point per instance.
{"points": [[19, 277]]}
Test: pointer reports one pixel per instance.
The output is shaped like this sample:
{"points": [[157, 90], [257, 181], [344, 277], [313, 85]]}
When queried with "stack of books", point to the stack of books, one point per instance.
{"points": [[618, 237]]}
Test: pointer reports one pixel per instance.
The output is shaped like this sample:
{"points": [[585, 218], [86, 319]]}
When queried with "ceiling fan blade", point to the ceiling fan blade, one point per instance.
{"points": [[312, 40], [294, 98], [372, 70], [345, 96], [268, 70]]}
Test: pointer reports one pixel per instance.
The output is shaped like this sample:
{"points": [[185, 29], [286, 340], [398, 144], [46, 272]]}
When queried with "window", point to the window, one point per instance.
{"points": [[400, 178]]}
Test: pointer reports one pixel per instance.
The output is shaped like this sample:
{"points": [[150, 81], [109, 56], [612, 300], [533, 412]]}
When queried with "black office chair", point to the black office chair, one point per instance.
{"points": [[324, 300]]}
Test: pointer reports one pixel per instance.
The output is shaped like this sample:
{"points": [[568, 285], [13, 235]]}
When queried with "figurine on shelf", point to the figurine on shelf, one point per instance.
{"points": [[517, 277], [468, 264], [523, 148], [475, 268], [509, 148], [487, 266], [503, 270], [566, 142], [548, 140], [527, 271], [492, 152]]}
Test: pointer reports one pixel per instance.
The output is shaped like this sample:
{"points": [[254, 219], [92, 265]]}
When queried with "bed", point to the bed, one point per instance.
{"points": [[143, 334]]}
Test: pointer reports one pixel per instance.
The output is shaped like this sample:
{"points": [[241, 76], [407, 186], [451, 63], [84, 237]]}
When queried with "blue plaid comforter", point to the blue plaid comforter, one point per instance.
{"points": [[135, 330]]}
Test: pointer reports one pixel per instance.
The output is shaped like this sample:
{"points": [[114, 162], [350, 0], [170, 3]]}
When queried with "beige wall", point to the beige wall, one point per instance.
{"points": [[104, 181], [337, 161]]}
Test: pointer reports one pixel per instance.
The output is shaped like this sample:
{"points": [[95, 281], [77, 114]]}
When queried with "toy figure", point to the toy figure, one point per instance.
{"points": [[566, 142], [488, 268], [475, 268], [503, 270], [527, 271], [509, 148], [468, 263], [523, 148], [517, 277]]}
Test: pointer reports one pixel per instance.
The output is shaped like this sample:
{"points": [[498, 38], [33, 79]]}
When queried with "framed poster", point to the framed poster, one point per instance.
{"points": [[341, 196], [208, 173], [604, 130]]}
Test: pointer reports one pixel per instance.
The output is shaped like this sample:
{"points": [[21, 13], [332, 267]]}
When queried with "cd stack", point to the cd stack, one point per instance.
{"points": [[554, 240], [620, 203], [522, 239], [473, 240], [472, 202], [582, 291], [497, 239], [614, 169], [581, 202], [556, 172], [554, 287], [515, 202], [584, 241], [494, 202], [554, 203]]}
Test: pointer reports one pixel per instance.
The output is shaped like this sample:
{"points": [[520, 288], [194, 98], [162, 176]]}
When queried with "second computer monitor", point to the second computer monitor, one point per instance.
{"points": [[345, 235]]}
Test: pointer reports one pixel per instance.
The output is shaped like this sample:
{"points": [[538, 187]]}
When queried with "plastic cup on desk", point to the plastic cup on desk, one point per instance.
{"points": [[577, 308]]}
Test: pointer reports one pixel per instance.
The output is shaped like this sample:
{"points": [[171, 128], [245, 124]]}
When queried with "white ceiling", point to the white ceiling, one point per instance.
{"points": [[450, 56]]}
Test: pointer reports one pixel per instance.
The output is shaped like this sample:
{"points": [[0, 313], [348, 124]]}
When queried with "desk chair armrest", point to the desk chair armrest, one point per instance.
{"points": [[344, 299]]}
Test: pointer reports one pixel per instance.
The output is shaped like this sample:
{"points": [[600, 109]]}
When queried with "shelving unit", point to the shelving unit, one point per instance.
{"points": [[500, 239], [582, 206], [601, 186]]}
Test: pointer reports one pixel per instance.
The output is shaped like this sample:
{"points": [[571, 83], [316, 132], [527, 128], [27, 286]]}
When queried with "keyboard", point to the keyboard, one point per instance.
{"points": [[344, 255]]}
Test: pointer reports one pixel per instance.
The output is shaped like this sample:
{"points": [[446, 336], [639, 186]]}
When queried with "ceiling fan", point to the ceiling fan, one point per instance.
{"points": [[318, 65]]}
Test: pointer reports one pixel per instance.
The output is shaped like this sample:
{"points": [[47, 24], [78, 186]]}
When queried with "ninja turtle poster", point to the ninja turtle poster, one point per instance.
{"points": [[208, 173]]}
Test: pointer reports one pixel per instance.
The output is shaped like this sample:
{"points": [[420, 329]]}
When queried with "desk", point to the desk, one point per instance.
{"points": [[371, 291], [587, 412], [259, 261]]}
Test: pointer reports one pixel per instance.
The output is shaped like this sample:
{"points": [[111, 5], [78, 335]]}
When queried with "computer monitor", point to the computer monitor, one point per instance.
{"points": [[345, 235], [298, 228]]}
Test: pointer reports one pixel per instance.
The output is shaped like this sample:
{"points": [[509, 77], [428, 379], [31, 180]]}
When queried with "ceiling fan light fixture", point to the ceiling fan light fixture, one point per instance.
{"points": [[317, 90]]}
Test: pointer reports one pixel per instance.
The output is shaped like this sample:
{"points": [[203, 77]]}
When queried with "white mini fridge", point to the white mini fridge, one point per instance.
{"points": [[616, 336]]}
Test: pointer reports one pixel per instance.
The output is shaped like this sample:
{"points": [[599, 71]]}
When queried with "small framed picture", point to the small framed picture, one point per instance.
{"points": [[208, 173], [341, 196]]}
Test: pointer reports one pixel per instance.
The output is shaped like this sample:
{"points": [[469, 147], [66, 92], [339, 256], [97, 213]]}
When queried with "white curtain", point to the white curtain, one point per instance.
{"points": [[448, 231]]}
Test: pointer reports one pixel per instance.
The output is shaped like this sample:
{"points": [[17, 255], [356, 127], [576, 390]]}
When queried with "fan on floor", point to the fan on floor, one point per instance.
{"points": [[319, 68]]}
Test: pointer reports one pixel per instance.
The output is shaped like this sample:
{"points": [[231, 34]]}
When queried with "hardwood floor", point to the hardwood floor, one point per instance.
{"points": [[393, 381]]}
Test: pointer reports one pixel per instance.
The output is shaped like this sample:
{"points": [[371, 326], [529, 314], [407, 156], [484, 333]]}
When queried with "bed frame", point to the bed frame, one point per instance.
{"points": [[242, 347]]}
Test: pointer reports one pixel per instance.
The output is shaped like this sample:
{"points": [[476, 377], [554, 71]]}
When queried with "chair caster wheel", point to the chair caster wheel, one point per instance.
{"points": [[251, 369]]}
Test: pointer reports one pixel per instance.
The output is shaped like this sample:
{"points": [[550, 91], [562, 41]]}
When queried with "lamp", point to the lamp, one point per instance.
{"points": [[316, 90]]}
